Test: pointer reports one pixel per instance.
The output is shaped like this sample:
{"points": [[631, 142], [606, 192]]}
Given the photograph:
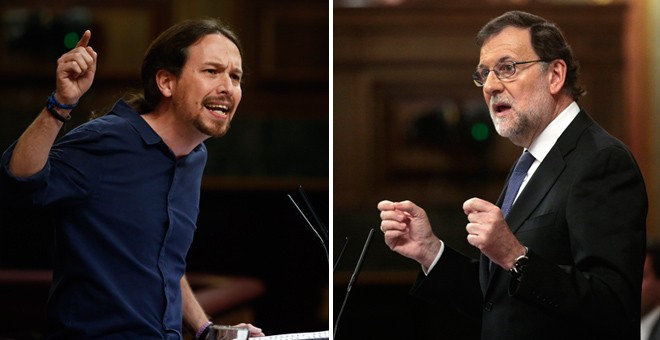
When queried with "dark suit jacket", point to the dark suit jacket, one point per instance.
{"points": [[582, 215]]}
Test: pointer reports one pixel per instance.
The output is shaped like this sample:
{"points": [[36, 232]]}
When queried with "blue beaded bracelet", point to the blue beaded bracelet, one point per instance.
{"points": [[52, 103]]}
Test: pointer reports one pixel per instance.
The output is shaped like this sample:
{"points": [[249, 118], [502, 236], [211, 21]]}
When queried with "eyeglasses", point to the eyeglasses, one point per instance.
{"points": [[503, 70]]}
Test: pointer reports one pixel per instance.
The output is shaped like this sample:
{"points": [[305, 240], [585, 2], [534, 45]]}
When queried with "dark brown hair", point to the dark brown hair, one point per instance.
{"points": [[547, 40]]}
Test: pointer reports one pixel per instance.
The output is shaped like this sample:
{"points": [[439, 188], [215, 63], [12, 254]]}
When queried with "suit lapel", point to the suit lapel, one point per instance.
{"points": [[533, 193], [547, 173], [538, 186], [536, 189]]}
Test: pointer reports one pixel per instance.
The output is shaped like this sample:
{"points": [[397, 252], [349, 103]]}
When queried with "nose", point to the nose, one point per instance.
{"points": [[225, 84], [492, 84]]}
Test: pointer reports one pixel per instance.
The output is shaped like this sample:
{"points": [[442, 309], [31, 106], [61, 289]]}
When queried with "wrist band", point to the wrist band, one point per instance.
{"points": [[52, 103], [203, 331]]}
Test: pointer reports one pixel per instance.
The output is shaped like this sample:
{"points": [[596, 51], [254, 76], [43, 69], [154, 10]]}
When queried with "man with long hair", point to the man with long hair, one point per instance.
{"points": [[124, 188]]}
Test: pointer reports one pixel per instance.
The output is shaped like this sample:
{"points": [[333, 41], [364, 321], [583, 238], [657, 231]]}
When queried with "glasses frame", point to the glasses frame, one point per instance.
{"points": [[479, 78]]}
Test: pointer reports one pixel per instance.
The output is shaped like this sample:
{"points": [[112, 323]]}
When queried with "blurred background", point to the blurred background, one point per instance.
{"points": [[408, 123], [254, 258]]}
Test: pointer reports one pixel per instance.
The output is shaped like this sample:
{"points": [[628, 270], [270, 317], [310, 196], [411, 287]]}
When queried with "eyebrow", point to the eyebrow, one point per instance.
{"points": [[501, 60], [222, 66]]}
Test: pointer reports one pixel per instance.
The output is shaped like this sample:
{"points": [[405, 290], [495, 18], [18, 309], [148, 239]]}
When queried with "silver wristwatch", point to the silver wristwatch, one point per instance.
{"points": [[519, 265]]}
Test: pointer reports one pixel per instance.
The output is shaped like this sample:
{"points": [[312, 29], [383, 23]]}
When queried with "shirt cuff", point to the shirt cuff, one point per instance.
{"points": [[437, 257]]}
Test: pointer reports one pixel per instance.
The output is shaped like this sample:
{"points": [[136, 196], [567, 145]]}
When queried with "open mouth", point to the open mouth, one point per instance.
{"points": [[501, 107], [221, 110]]}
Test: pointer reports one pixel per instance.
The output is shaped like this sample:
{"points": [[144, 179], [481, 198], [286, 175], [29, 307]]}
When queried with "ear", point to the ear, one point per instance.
{"points": [[165, 81], [557, 75]]}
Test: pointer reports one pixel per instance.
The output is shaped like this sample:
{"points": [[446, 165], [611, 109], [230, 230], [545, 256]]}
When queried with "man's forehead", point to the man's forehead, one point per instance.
{"points": [[216, 39], [215, 46], [510, 43]]}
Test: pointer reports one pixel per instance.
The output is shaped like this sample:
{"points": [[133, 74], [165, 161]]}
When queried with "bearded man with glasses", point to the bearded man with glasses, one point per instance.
{"points": [[562, 249]]}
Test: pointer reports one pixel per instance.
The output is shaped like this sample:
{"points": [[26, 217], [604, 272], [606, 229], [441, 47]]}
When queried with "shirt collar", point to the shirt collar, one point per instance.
{"points": [[547, 139], [140, 125]]}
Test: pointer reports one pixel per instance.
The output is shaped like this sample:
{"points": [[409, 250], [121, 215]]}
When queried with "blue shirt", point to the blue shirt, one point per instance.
{"points": [[125, 213]]}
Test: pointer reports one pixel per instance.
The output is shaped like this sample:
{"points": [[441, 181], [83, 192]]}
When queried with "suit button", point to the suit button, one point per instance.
{"points": [[488, 306]]}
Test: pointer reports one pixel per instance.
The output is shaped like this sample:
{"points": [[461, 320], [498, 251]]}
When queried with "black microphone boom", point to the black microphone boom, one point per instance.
{"points": [[356, 272], [340, 254], [323, 230], [323, 240]]}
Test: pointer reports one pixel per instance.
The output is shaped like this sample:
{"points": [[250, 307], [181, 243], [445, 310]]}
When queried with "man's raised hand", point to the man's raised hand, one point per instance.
{"points": [[75, 71]]}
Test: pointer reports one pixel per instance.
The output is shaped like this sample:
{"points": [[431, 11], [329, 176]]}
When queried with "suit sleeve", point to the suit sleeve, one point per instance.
{"points": [[454, 279]]}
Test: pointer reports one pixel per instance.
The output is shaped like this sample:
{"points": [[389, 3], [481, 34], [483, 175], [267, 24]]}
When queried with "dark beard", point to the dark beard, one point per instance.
{"points": [[215, 131]]}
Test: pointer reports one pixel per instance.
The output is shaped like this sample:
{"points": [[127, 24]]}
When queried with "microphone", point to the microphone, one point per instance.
{"points": [[340, 255], [321, 226], [324, 241], [358, 266]]}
